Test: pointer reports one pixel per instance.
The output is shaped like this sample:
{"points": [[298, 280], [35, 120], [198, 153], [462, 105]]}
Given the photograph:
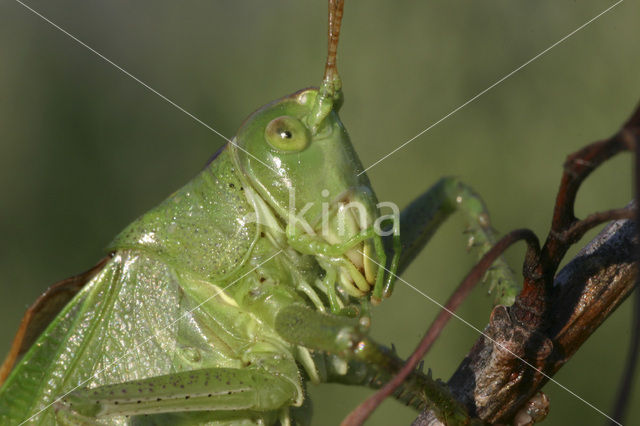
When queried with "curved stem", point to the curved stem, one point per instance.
{"points": [[578, 229]]}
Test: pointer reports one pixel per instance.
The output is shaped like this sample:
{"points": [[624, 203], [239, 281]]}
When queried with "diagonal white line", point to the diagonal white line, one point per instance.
{"points": [[493, 85], [95, 375], [142, 83], [492, 340]]}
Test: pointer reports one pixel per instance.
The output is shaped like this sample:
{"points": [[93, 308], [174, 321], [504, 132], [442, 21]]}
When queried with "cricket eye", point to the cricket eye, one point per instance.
{"points": [[287, 134]]}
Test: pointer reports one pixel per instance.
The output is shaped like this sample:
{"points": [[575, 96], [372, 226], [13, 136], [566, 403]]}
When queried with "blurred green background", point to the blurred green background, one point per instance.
{"points": [[84, 149]]}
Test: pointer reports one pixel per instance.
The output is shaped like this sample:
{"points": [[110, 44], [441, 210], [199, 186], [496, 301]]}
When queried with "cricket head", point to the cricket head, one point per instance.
{"points": [[297, 155], [308, 173]]}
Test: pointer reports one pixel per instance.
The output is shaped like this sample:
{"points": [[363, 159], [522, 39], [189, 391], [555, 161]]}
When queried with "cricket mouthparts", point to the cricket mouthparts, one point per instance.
{"points": [[350, 217]]}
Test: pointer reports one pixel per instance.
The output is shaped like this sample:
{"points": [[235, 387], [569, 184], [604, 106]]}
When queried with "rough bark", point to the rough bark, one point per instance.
{"points": [[492, 382]]}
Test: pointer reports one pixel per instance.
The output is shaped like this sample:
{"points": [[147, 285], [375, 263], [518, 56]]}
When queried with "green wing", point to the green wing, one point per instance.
{"points": [[132, 320], [42, 312]]}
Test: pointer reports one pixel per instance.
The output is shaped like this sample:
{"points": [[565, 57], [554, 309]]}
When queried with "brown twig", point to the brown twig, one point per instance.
{"points": [[578, 229], [549, 322], [593, 285], [531, 306], [524, 345]]}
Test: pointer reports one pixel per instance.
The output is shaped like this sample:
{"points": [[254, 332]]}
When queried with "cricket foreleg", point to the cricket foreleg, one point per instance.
{"points": [[420, 220], [216, 389], [369, 364]]}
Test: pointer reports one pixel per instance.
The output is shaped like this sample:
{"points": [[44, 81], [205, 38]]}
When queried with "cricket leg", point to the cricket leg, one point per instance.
{"points": [[370, 364], [268, 386], [420, 220]]}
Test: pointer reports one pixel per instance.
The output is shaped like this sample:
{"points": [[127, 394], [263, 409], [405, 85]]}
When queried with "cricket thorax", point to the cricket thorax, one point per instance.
{"points": [[203, 228]]}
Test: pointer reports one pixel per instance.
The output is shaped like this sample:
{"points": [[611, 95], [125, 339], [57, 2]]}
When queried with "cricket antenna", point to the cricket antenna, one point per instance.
{"points": [[330, 93], [331, 76]]}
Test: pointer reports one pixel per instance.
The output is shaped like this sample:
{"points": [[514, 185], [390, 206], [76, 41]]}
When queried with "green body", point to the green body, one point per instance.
{"points": [[197, 285], [217, 306]]}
